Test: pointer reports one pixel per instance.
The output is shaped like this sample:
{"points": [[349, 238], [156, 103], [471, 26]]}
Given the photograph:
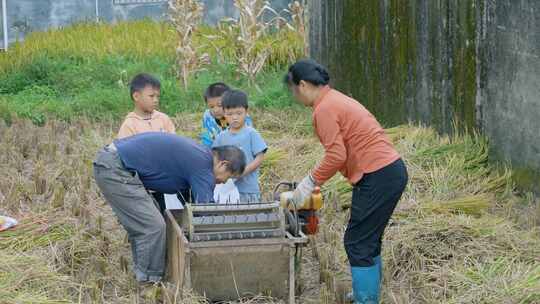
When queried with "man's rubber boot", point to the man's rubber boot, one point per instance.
{"points": [[366, 283]]}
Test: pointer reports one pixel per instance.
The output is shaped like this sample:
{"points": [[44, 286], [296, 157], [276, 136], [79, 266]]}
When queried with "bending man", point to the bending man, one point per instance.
{"points": [[126, 169]]}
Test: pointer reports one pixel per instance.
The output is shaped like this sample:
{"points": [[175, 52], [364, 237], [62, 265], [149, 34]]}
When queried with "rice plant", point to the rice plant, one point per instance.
{"points": [[142, 40]]}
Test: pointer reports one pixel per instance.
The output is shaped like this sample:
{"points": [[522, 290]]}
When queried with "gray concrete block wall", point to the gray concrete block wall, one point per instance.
{"points": [[510, 95], [1, 27], [25, 16], [474, 61]]}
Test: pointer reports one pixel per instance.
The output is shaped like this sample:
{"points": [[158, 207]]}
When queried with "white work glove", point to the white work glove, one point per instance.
{"points": [[303, 190]]}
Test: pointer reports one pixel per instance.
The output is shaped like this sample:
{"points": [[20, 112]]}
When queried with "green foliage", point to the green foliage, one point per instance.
{"points": [[91, 41], [84, 70], [98, 89], [140, 40]]}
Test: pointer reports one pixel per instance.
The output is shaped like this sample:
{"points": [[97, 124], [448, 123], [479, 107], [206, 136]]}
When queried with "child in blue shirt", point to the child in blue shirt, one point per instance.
{"points": [[239, 134], [214, 121]]}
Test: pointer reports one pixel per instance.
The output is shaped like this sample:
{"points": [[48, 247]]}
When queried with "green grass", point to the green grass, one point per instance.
{"points": [[85, 70], [141, 40], [99, 89]]}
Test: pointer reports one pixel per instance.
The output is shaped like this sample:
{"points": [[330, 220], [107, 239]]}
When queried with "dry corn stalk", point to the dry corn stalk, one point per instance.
{"points": [[251, 28], [248, 39], [185, 16], [298, 17]]}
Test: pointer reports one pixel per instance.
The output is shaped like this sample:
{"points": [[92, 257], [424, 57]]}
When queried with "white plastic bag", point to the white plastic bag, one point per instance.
{"points": [[172, 202], [7, 222], [226, 193]]}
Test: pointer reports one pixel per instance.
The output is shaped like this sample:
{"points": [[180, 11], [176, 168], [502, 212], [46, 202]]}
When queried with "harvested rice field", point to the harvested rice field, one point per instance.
{"points": [[460, 234]]}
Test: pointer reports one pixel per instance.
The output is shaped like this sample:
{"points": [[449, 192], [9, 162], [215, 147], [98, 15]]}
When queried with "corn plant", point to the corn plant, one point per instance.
{"points": [[251, 29], [185, 16], [298, 17]]}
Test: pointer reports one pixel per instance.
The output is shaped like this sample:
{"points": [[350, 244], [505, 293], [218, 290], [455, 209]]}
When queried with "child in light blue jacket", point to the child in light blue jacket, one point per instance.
{"points": [[214, 121]]}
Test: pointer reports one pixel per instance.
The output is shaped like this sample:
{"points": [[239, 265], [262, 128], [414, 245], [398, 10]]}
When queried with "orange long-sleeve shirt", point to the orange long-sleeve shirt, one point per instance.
{"points": [[134, 124], [353, 140]]}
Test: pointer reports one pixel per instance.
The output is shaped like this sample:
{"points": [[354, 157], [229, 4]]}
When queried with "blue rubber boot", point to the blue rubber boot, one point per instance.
{"points": [[366, 283]]}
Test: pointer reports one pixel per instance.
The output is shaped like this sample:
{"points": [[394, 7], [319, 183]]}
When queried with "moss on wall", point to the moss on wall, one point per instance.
{"points": [[433, 61], [371, 48]]}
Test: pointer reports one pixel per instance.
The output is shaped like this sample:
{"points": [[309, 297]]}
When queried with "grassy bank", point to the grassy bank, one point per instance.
{"points": [[85, 70], [67, 88]]}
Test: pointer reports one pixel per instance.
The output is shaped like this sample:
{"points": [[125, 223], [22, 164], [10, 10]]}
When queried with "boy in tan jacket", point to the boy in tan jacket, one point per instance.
{"points": [[145, 91]]}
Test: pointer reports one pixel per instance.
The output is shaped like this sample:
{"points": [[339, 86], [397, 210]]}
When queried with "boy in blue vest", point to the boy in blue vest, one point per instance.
{"points": [[213, 118]]}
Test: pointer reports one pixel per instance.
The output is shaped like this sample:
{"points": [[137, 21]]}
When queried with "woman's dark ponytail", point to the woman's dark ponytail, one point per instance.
{"points": [[325, 78], [308, 70]]}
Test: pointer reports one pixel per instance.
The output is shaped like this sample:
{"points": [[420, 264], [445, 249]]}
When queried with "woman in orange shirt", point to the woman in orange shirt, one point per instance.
{"points": [[355, 144]]}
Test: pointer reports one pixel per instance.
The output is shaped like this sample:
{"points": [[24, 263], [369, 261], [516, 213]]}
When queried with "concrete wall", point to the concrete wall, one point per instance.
{"points": [[25, 16], [509, 88], [1, 27], [474, 62]]}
